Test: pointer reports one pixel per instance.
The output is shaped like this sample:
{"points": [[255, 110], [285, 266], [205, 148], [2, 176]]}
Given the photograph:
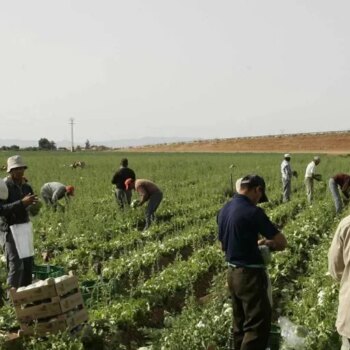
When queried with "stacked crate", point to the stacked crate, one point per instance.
{"points": [[49, 306]]}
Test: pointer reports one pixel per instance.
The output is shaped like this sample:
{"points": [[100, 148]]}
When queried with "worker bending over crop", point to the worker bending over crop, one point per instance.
{"points": [[148, 191], [52, 192], [240, 223], [339, 181]]}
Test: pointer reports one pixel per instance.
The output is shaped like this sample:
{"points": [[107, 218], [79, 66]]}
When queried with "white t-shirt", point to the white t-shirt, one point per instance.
{"points": [[310, 170], [286, 170]]}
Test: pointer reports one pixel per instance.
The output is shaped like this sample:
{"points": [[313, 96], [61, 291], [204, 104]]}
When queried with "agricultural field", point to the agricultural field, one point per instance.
{"points": [[164, 289]]}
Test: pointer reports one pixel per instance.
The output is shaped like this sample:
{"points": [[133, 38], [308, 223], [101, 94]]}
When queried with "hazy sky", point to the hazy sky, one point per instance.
{"points": [[189, 68]]}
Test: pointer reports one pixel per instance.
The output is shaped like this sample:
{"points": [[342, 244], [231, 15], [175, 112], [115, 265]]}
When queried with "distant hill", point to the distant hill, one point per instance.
{"points": [[321, 142], [142, 141], [318, 142]]}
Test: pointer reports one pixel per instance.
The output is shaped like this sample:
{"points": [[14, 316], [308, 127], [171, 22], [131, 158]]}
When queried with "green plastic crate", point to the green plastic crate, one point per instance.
{"points": [[91, 291], [42, 272]]}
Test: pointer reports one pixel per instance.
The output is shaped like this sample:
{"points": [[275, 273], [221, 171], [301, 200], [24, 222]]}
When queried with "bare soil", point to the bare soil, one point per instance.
{"points": [[328, 142]]}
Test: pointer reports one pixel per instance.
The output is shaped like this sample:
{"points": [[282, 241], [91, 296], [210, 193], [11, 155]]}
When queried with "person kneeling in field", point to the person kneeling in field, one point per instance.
{"points": [[240, 223], [148, 191], [52, 192]]}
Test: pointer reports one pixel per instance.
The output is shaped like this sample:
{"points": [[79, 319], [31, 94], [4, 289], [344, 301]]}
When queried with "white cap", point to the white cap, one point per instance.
{"points": [[4, 192], [316, 158], [15, 162], [238, 184], [287, 155]]}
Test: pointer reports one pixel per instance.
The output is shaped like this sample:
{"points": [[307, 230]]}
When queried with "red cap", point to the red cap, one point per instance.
{"points": [[70, 190], [128, 182]]}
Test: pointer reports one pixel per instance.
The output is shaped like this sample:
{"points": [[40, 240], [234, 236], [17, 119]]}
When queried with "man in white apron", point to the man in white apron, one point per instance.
{"points": [[15, 228]]}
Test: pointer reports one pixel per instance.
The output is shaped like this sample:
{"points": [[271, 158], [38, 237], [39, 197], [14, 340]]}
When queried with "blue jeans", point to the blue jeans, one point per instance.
{"points": [[336, 195], [152, 206]]}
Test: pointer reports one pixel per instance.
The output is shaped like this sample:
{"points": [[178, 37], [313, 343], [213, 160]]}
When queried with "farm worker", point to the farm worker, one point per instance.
{"points": [[123, 195], [240, 223], [310, 175], [52, 192], [264, 250], [339, 268], [148, 191], [287, 173], [15, 222], [339, 181]]}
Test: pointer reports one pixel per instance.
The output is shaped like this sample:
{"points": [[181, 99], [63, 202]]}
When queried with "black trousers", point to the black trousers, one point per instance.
{"points": [[19, 270], [251, 307]]}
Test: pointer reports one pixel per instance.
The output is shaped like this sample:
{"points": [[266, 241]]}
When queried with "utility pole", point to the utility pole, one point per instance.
{"points": [[71, 134]]}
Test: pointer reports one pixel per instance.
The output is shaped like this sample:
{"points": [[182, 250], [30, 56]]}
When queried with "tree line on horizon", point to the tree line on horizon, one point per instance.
{"points": [[45, 145]]}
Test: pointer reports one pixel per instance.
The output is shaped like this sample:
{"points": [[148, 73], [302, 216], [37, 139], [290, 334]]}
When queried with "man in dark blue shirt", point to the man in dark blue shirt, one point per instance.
{"points": [[122, 195], [241, 222]]}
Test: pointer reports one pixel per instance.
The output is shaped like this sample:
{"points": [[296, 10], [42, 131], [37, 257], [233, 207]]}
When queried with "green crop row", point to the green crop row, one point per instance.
{"points": [[93, 230], [156, 255]]}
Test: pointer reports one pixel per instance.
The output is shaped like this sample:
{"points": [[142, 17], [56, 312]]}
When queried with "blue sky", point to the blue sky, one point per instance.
{"points": [[201, 69]]}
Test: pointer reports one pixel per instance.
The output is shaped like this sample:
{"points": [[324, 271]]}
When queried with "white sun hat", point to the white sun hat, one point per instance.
{"points": [[15, 162]]}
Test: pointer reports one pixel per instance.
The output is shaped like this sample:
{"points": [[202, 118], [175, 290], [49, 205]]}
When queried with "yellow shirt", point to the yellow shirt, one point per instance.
{"points": [[339, 268]]}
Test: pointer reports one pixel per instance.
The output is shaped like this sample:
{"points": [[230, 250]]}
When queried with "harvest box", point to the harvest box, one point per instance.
{"points": [[53, 305]]}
